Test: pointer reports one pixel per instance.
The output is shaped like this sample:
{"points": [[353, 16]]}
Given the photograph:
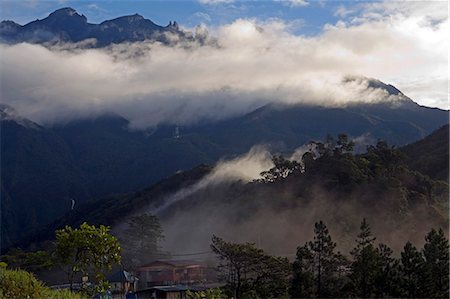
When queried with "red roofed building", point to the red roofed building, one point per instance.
{"points": [[170, 272]]}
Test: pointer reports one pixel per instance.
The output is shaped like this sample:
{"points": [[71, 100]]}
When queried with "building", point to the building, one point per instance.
{"points": [[122, 283], [171, 272]]}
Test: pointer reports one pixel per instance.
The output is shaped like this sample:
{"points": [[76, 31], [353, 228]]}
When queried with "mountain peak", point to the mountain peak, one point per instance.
{"points": [[8, 113], [67, 25], [66, 11]]}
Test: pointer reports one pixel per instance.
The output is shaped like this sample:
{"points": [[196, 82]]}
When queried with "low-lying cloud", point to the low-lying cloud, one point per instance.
{"points": [[248, 63], [245, 168]]}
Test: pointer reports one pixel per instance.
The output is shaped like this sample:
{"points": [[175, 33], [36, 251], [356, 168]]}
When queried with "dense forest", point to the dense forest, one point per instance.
{"points": [[320, 271]]}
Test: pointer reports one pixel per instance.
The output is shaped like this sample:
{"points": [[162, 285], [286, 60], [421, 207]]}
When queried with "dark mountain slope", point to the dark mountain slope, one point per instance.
{"points": [[39, 176], [294, 125], [430, 155], [93, 158], [112, 209], [338, 187]]}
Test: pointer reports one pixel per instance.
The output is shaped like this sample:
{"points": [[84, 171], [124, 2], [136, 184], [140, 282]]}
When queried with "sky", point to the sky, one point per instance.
{"points": [[287, 51], [310, 16]]}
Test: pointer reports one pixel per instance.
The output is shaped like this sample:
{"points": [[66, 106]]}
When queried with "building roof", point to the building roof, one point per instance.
{"points": [[122, 276]]}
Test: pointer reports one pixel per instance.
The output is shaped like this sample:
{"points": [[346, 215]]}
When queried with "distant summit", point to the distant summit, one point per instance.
{"points": [[67, 25]]}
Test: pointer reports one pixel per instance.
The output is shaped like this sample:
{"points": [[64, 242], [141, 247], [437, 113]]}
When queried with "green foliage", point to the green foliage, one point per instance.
{"points": [[365, 267], [388, 281], [62, 294], [411, 268], [384, 159], [249, 270], [214, 293], [22, 284], [436, 267], [30, 261], [140, 240], [374, 271], [302, 285], [87, 248]]}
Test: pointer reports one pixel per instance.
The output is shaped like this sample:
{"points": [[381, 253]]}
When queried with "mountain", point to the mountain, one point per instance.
{"points": [[338, 187], [66, 25], [38, 175], [430, 155], [44, 168]]}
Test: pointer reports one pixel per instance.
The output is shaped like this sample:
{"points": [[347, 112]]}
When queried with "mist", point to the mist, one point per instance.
{"points": [[241, 66], [229, 203]]}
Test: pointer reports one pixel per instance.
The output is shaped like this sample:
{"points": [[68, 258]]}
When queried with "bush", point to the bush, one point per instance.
{"points": [[22, 284]]}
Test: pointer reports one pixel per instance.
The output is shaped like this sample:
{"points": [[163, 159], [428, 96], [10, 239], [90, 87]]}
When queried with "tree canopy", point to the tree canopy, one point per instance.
{"points": [[87, 248], [249, 271]]}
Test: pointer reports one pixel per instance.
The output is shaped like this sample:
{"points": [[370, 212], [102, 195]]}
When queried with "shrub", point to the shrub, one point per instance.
{"points": [[22, 284]]}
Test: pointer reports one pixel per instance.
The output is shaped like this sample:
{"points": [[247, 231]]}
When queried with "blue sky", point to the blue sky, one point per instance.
{"points": [[309, 16]]}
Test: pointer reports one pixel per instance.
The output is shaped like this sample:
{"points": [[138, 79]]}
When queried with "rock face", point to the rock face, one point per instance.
{"points": [[66, 25]]}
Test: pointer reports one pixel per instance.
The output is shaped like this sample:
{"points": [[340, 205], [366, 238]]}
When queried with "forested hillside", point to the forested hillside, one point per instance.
{"points": [[329, 182]]}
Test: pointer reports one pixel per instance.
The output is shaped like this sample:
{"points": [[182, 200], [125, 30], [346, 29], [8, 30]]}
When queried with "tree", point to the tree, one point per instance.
{"points": [[411, 268], [281, 170], [34, 262], [302, 284], [384, 159], [343, 145], [388, 278], [436, 267], [365, 266], [140, 239], [87, 248], [317, 266], [249, 270]]}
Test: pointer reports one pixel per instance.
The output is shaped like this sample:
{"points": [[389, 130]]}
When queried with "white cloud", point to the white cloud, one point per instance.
{"points": [[213, 2], [251, 64], [294, 3], [244, 168], [202, 16]]}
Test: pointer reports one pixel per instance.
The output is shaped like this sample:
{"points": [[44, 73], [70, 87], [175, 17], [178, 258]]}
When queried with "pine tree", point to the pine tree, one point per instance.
{"points": [[140, 240], [365, 267], [436, 266], [317, 265], [411, 270], [388, 278], [302, 285]]}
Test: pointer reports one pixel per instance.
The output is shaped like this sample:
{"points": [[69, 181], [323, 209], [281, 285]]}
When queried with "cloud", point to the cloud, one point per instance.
{"points": [[202, 16], [213, 2], [244, 168], [250, 63], [294, 3], [97, 8], [278, 219]]}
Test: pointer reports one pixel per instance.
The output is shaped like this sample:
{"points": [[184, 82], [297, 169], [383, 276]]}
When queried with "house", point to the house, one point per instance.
{"points": [[171, 272], [122, 282]]}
